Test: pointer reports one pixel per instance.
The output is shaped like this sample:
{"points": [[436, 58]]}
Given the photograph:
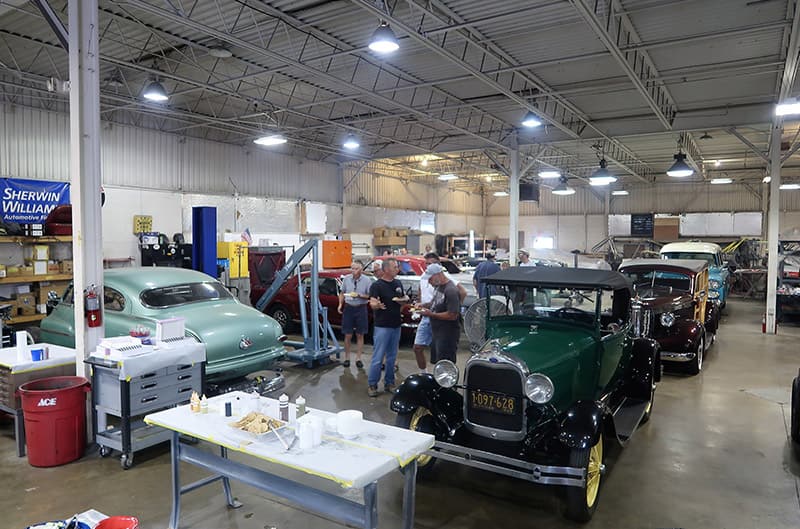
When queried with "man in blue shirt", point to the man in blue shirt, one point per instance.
{"points": [[483, 270]]}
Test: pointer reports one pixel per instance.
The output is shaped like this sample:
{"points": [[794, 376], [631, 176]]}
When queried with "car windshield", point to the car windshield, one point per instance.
{"points": [[702, 256], [182, 294], [562, 304], [644, 279]]}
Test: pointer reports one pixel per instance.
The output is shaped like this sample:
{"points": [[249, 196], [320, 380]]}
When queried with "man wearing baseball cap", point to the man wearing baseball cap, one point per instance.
{"points": [[443, 312], [524, 258]]}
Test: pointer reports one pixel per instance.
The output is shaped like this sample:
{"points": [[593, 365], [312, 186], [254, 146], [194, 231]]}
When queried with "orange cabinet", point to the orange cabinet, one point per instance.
{"points": [[337, 254]]}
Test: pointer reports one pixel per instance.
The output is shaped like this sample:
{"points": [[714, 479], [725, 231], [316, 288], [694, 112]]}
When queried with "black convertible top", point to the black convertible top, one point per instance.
{"points": [[558, 277]]}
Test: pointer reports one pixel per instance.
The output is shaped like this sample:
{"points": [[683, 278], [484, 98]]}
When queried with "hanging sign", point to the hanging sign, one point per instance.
{"points": [[31, 201]]}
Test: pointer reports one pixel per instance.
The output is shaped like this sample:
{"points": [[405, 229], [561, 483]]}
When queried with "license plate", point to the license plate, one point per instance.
{"points": [[494, 402]]}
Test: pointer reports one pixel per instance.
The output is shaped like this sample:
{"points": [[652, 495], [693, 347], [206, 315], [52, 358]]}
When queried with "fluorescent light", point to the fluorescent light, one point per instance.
{"points": [[722, 180], [766, 179], [351, 142], [602, 177], [531, 120], [269, 141], [620, 193], [501, 193], [155, 92], [680, 168], [562, 189], [424, 162], [383, 40], [220, 52], [549, 173], [447, 177], [717, 163], [789, 187], [789, 107]]}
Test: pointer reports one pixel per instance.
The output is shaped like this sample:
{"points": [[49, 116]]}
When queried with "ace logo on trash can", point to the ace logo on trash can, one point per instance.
{"points": [[47, 402]]}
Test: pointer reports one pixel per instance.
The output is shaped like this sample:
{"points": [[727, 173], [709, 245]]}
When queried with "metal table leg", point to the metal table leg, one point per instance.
{"points": [[176, 481], [226, 483], [371, 506], [409, 493]]}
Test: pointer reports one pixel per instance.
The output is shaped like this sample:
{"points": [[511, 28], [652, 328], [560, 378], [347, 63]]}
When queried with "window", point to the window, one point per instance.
{"points": [[328, 287], [544, 243], [113, 300], [181, 294]]}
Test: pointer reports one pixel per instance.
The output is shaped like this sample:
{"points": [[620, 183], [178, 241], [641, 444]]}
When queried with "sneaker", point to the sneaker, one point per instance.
{"points": [[389, 388], [359, 364], [372, 391], [346, 363], [396, 368]]}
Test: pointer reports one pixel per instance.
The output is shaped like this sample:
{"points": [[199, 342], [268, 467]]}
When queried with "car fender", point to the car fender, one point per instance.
{"points": [[446, 405], [712, 317], [692, 330], [645, 368], [582, 425]]}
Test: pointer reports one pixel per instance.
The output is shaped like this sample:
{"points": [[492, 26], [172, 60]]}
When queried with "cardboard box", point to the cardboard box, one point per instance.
{"points": [[13, 271], [382, 232], [39, 268], [2, 270], [26, 270], [26, 304], [388, 241], [66, 266], [53, 267], [41, 252]]}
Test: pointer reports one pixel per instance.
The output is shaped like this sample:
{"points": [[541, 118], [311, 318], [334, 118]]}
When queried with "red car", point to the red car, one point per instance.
{"points": [[285, 306], [414, 265]]}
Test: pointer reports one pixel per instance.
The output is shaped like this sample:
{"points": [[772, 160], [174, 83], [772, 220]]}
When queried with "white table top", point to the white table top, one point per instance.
{"points": [[59, 356], [356, 462], [184, 352]]}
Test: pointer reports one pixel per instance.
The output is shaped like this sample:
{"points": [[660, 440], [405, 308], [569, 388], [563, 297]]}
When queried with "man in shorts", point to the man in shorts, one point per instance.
{"points": [[353, 301], [443, 314]]}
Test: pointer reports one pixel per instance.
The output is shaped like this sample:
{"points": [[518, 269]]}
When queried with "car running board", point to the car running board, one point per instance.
{"points": [[627, 418]]}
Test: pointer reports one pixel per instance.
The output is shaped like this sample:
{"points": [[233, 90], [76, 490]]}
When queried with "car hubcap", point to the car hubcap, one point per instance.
{"points": [[593, 472], [414, 426], [281, 317]]}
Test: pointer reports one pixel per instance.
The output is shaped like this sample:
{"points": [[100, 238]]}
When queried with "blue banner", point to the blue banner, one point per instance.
{"points": [[31, 201]]}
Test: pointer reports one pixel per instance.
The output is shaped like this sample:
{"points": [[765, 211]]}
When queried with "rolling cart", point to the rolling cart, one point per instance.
{"points": [[127, 387]]}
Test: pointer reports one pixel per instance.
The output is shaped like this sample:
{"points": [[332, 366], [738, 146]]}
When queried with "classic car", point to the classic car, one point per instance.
{"points": [[794, 432], [558, 374], [239, 340], [671, 305], [719, 273]]}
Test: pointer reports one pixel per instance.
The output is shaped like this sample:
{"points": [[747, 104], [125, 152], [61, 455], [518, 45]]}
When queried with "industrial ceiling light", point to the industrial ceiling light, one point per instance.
{"points": [[549, 173], [424, 162], [531, 120], [717, 181], [789, 187], [788, 107], [155, 92], [766, 179], [220, 52], [717, 163], [706, 136], [501, 193], [562, 189], [620, 193], [446, 177], [680, 168], [351, 142], [271, 140], [383, 40], [602, 177]]}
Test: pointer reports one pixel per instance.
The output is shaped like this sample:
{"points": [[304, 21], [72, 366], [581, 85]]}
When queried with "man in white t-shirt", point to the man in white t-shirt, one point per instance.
{"points": [[524, 258], [424, 335]]}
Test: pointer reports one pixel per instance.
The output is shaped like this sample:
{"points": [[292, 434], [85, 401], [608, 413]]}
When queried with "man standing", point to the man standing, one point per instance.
{"points": [[385, 296], [377, 268], [443, 314], [483, 270], [525, 258], [353, 298], [424, 337]]}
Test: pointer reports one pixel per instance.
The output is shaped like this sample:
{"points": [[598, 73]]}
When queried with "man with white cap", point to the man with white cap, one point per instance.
{"points": [[524, 257], [443, 312]]}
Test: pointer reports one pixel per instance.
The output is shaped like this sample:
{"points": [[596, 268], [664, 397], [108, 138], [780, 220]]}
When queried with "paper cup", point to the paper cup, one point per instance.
{"points": [[349, 423]]}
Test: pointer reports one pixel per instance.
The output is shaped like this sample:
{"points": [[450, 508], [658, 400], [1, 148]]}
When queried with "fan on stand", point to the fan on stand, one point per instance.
{"points": [[475, 319]]}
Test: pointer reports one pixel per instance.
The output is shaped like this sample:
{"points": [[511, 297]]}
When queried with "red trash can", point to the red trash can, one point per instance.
{"points": [[55, 419]]}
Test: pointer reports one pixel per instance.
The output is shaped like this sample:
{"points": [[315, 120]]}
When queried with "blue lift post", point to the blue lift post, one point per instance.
{"points": [[316, 346]]}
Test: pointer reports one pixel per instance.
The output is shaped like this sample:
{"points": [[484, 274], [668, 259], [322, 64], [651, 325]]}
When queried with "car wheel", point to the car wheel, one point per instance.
{"points": [[582, 501], [281, 315], [696, 365], [795, 411], [419, 421]]}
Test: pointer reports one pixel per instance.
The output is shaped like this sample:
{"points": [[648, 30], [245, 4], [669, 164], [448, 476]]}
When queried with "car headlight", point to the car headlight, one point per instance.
{"points": [[445, 373], [713, 294], [539, 388], [714, 283], [667, 319]]}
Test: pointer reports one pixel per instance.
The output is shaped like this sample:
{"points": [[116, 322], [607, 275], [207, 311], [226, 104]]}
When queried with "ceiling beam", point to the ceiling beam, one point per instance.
{"points": [[692, 152], [758, 152]]}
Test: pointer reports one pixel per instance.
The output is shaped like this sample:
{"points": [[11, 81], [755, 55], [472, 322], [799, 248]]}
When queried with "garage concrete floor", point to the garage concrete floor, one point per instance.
{"points": [[714, 455]]}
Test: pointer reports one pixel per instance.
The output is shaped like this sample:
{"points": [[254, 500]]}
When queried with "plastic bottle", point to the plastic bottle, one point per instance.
{"points": [[194, 402], [300, 403], [283, 407], [204, 404]]}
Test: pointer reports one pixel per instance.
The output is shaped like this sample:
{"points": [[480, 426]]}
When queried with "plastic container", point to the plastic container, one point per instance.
{"points": [[119, 522], [55, 419]]}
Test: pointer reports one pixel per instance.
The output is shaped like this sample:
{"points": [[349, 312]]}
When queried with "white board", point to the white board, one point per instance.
{"points": [[619, 225]]}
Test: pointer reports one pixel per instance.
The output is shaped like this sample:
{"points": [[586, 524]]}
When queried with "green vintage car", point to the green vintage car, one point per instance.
{"points": [[560, 372], [239, 339]]}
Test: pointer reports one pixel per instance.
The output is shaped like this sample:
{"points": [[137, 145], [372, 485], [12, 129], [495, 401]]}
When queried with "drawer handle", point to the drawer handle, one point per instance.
{"points": [[185, 366], [149, 386], [185, 390], [148, 375], [184, 377], [149, 399]]}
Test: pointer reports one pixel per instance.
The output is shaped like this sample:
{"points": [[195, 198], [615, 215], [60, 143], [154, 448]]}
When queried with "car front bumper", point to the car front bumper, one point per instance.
{"points": [[508, 466], [677, 357]]}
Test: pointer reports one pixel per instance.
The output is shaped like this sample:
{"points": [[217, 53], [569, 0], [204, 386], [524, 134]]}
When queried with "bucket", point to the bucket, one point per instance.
{"points": [[54, 409], [119, 522]]}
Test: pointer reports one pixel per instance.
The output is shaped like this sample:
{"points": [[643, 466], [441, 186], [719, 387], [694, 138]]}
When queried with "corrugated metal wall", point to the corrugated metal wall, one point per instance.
{"points": [[35, 144]]}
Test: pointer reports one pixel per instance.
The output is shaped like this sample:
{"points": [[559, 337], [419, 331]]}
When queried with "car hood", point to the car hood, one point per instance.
{"points": [[661, 297]]}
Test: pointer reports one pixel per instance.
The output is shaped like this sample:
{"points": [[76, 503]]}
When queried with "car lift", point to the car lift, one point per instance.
{"points": [[319, 341]]}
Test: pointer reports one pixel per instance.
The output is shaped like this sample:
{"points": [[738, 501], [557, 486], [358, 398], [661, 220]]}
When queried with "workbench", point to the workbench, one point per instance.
{"points": [[352, 463]]}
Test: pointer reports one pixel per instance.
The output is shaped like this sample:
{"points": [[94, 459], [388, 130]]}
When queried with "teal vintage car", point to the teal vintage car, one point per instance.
{"points": [[239, 339], [559, 373]]}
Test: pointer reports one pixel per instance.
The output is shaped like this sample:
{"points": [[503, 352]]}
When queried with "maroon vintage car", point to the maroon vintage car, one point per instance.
{"points": [[671, 305]]}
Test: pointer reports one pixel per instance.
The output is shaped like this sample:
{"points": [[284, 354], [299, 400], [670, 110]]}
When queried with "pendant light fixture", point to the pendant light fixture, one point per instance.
{"points": [[531, 120], [680, 169], [549, 173], [620, 193], [719, 181], [501, 193], [562, 189], [383, 40], [351, 142], [155, 92], [602, 176], [446, 177]]}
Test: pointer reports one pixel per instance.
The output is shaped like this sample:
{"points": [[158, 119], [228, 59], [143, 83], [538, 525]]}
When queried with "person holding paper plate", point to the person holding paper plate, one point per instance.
{"points": [[385, 298], [353, 299]]}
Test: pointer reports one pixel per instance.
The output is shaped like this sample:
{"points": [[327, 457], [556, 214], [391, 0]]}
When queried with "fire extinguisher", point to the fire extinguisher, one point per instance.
{"points": [[94, 317]]}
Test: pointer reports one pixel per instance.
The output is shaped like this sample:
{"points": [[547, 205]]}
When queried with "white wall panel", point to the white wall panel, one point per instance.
{"points": [[458, 224]]}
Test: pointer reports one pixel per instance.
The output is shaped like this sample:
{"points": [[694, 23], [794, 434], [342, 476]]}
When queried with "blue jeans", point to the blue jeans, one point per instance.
{"points": [[385, 342]]}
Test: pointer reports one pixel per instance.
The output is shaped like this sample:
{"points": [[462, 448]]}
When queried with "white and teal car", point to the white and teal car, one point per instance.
{"points": [[719, 274]]}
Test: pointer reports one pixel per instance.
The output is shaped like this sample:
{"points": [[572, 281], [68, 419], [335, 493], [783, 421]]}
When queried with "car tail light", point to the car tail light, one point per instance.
{"points": [[282, 338]]}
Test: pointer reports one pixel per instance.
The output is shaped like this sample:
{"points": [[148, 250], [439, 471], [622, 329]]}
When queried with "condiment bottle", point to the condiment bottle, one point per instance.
{"points": [[194, 402], [283, 407], [204, 405], [300, 403]]}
